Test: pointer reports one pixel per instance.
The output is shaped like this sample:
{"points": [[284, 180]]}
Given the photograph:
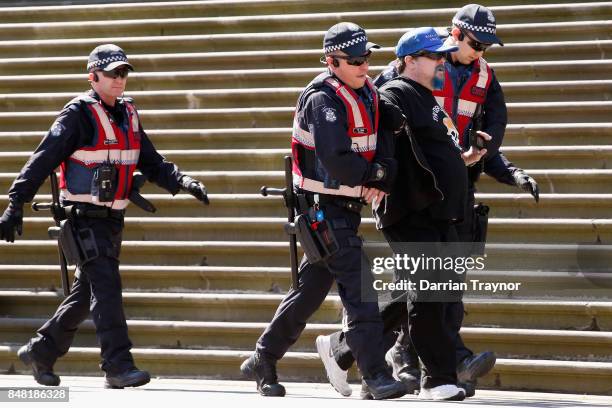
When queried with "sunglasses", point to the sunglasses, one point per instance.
{"points": [[354, 61], [436, 56], [476, 45], [115, 73]]}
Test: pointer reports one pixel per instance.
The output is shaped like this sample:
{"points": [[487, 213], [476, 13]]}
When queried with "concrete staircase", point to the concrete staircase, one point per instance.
{"points": [[216, 83]]}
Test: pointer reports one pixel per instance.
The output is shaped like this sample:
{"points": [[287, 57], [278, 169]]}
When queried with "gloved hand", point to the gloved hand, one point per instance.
{"points": [[11, 221], [195, 188], [527, 183]]}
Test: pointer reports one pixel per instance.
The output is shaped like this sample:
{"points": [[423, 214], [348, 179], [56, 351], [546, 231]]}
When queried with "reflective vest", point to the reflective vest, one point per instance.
{"points": [[461, 107], [109, 144], [361, 131]]}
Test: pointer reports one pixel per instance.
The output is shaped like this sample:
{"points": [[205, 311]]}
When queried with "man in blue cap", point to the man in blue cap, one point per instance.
{"points": [[338, 165], [98, 142], [425, 209]]}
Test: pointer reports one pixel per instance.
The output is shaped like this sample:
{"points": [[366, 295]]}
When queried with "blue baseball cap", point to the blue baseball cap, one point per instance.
{"points": [[422, 39]]}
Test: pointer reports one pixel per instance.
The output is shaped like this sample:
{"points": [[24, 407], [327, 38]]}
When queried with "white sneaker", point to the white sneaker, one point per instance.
{"points": [[446, 392], [336, 376]]}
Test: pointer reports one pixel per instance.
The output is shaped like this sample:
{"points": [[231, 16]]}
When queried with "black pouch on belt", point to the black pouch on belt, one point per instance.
{"points": [[79, 245], [317, 239]]}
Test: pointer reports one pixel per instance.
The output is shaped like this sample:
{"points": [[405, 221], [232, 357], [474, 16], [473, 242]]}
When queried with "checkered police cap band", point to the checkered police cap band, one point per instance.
{"points": [[469, 27], [106, 61], [346, 44]]}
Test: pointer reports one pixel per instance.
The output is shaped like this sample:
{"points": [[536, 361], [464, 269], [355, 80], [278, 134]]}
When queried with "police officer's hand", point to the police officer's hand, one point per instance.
{"points": [[372, 194], [473, 155], [11, 221], [527, 183], [195, 188]]}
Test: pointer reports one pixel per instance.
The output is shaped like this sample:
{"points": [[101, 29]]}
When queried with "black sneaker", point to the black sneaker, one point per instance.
{"points": [[405, 367], [43, 374], [475, 366], [263, 371], [382, 386], [129, 378], [469, 387]]}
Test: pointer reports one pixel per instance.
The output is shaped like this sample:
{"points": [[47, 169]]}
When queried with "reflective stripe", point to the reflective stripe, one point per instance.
{"points": [[363, 143], [302, 136], [109, 133], [115, 156], [315, 186], [440, 100], [354, 107], [466, 108], [87, 198], [483, 76], [135, 123]]}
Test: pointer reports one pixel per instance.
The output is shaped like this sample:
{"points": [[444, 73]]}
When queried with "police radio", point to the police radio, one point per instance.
{"points": [[104, 183]]}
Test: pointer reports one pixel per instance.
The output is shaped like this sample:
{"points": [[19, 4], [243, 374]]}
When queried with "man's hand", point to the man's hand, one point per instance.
{"points": [[195, 188], [372, 194], [473, 155], [11, 221], [527, 183]]}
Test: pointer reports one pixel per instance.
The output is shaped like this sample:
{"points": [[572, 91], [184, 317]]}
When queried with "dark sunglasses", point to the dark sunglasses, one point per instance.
{"points": [[118, 72], [436, 56], [354, 61], [476, 45]]}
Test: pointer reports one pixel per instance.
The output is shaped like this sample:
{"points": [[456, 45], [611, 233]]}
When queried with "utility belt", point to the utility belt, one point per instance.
{"points": [[79, 243], [311, 227]]}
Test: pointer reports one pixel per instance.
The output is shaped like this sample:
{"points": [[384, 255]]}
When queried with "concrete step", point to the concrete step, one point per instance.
{"points": [[500, 256], [289, 77], [510, 230], [517, 205], [556, 315], [557, 181], [515, 343], [534, 112], [534, 157], [593, 285], [294, 58], [551, 375], [528, 32], [537, 91], [284, 22], [528, 134], [147, 10]]}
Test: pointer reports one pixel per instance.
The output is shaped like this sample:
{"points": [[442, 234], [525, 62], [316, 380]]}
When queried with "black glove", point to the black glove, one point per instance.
{"points": [[391, 116], [195, 188], [11, 221], [527, 183], [382, 174]]}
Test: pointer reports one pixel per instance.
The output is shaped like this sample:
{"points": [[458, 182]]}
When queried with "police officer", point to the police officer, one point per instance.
{"points": [[336, 166], [98, 142], [473, 31]]}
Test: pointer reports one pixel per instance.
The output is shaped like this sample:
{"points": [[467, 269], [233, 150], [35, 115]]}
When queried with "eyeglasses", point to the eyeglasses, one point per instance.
{"points": [[436, 56], [118, 72], [354, 61], [475, 45]]}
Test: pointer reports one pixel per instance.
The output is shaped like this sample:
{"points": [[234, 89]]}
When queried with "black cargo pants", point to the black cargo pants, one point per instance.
{"points": [[350, 269], [96, 290]]}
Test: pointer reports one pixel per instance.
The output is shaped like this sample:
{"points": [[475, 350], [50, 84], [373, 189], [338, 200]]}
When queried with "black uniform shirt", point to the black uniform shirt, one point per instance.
{"points": [[72, 130], [438, 138]]}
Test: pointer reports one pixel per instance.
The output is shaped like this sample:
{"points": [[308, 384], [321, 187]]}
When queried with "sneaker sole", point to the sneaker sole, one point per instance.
{"points": [[390, 395], [120, 387], [319, 345]]}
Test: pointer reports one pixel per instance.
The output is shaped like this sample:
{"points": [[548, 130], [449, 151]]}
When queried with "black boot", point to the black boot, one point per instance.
{"points": [[43, 374], [475, 366], [263, 371], [129, 378], [382, 386], [405, 365]]}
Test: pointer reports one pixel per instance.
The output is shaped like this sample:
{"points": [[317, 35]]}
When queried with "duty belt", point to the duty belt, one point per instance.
{"points": [[94, 211], [346, 203]]}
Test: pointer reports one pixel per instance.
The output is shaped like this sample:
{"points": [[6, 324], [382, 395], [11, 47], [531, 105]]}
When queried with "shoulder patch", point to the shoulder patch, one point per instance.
{"points": [[330, 114], [56, 129]]}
